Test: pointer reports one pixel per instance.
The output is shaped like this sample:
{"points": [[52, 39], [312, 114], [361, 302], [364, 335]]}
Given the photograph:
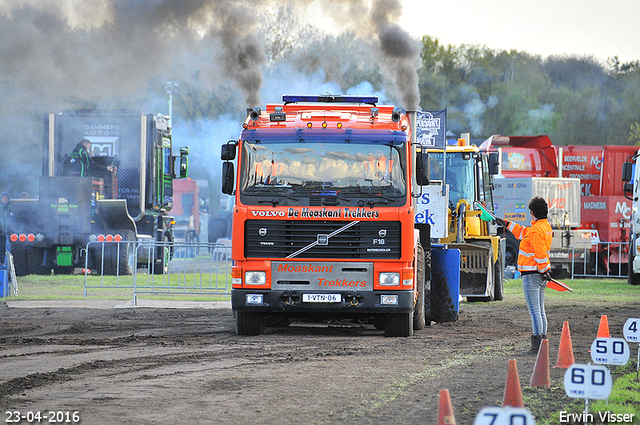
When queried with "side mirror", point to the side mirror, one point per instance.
{"points": [[228, 151], [184, 151], [227, 178], [423, 168], [627, 171], [494, 163], [184, 166]]}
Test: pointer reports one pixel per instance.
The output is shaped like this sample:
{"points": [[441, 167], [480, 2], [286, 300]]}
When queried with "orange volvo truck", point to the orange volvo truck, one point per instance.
{"points": [[323, 225]]}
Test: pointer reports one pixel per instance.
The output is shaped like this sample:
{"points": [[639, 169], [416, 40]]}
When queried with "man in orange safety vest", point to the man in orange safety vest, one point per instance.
{"points": [[534, 265]]}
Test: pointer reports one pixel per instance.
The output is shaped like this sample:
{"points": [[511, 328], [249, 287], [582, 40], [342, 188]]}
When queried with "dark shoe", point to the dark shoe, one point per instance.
{"points": [[536, 340]]}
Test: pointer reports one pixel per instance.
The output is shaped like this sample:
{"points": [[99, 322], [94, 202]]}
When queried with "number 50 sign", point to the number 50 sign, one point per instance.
{"points": [[613, 351], [587, 381]]}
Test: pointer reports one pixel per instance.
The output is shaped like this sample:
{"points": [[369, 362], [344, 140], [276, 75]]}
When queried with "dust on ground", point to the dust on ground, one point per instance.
{"points": [[185, 365]]}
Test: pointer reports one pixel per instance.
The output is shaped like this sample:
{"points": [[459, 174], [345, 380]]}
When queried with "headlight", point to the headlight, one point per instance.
{"points": [[389, 279], [255, 278]]}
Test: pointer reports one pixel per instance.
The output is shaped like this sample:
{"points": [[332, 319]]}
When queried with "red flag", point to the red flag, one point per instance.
{"points": [[558, 286]]}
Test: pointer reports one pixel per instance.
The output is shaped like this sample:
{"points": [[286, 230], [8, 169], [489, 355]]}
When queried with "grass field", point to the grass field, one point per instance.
{"points": [[189, 287]]}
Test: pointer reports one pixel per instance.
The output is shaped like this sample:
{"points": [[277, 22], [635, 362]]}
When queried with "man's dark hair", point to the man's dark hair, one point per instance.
{"points": [[539, 207]]}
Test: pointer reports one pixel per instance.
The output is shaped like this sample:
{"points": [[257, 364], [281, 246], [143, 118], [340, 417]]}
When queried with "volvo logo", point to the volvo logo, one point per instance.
{"points": [[322, 239], [382, 233], [262, 231]]}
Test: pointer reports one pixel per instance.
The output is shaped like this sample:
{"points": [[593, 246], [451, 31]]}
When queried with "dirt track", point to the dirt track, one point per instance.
{"points": [[156, 366]]}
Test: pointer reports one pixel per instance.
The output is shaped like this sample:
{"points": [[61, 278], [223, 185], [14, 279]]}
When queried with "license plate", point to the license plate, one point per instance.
{"points": [[321, 298]]}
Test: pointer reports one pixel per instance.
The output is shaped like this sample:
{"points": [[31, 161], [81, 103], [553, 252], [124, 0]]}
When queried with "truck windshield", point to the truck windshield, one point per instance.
{"points": [[460, 174], [320, 167]]}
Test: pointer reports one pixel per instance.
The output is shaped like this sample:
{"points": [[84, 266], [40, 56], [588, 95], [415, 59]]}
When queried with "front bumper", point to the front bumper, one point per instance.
{"points": [[352, 302]]}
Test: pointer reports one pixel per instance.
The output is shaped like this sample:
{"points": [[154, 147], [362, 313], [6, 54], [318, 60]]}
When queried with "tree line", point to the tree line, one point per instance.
{"points": [[575, 100]]}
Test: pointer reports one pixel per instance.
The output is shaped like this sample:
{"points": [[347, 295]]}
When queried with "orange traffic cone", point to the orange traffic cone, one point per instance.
{"points": [[445, 410], [603, 329], [541, 376], [565, 352], [512, 392]]}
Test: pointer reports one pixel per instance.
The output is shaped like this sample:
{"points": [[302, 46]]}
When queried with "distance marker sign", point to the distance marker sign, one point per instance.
{"points": [[587, 381], [504, 416], [632, 330], [614, 351]]}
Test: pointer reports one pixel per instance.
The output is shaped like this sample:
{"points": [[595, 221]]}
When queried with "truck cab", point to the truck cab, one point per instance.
{"points": [[131, 203], [323, 222]]}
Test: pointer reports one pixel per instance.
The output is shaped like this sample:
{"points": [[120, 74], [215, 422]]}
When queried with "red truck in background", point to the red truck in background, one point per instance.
{"points": [[186, 210], [604, 209]]}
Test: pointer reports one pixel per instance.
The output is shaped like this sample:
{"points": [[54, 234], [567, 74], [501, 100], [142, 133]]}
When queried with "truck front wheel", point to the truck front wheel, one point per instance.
{"points": [[249, 322], [418, 310]]}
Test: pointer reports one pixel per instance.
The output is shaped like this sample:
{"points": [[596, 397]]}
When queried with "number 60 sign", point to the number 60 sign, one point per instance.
{"points": [[587, 381]]}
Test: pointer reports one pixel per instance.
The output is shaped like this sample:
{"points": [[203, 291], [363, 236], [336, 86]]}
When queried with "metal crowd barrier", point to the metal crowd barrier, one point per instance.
{"points": [[190, 268], [592, 268], [8, 281]]}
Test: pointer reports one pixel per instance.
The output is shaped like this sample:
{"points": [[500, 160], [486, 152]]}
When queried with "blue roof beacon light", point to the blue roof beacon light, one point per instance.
{"points": [[288, 98]]}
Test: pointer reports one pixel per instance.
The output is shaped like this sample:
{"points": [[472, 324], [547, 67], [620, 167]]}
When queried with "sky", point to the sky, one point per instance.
{"points": [[601, 29]]}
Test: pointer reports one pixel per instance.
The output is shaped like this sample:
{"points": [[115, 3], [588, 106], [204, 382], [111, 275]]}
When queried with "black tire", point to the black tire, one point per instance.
{"points": [[19, 253], [418, 310], [163, 256], [398, 324], [634, 278], [511, 251], [35, 256], [119, 258], [249, 322], [498, 278], [95, 257]]}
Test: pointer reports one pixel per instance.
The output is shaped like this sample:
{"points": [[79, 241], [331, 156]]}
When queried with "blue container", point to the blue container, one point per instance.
{"points": [[445, 283], [4, 282]]}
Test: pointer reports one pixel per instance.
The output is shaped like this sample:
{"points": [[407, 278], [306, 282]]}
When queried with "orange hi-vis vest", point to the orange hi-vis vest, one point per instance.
{"points": [[535, 245]]}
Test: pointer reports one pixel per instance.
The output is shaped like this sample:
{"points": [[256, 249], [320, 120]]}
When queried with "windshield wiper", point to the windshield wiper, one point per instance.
{"points": [[276, 201], [381, 199]]}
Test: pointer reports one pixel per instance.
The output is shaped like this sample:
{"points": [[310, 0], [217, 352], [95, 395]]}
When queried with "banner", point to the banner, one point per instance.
{"points": [[431, 128]]}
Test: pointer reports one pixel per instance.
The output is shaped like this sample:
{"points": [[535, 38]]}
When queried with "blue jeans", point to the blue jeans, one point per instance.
{"points": [[533, 286]]}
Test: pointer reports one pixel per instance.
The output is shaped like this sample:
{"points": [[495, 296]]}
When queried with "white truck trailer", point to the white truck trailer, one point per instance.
{"points": [[571, 246]]}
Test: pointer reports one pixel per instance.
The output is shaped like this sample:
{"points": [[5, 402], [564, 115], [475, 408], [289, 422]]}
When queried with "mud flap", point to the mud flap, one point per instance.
{"points": [[445, 283]]}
